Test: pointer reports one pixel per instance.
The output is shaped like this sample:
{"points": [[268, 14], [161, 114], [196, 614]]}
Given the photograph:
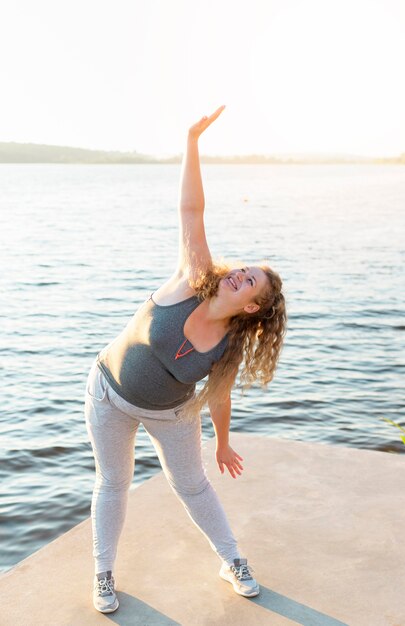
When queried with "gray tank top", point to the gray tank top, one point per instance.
{"points": [[151, 364]]}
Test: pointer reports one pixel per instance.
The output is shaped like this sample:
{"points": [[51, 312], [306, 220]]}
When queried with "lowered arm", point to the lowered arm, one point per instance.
{"points": [[221, 419], [224, 454]]}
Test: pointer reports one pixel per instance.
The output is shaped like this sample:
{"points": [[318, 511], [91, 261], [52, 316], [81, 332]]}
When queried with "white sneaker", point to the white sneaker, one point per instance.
{"points": [[239, 574], [104, 598]]}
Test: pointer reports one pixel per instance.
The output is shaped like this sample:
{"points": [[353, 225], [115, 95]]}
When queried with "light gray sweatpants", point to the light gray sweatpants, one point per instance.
{"points": [[112, 423]]}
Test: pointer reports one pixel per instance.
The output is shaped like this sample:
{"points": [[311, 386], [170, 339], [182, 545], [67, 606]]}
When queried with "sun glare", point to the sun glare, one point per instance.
{"points": [[327, 76]]}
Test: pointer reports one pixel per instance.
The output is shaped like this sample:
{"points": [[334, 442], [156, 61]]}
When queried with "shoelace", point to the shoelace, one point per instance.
{"points": [[105, 586], [242, 572]]}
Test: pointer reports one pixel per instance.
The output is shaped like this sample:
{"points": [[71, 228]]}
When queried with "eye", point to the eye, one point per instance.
{"points": [[249, 279]]}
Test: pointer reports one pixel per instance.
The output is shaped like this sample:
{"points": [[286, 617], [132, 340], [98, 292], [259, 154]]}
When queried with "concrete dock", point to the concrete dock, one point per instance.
{"points": [[322, 526]]}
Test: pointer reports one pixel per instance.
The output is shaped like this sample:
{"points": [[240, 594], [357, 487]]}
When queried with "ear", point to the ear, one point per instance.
{"points": [[251, 308]]}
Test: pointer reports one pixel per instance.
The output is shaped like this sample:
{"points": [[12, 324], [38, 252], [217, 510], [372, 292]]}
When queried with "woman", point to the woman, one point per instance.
{"points": [[205, 320]]}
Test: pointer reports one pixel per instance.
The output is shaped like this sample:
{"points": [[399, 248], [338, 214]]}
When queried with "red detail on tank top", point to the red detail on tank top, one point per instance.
{"points": [[178, 355]]}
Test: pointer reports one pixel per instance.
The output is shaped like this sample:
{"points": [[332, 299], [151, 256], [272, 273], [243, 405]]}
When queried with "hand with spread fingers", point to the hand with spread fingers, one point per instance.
{"points": [[225, 455], [196, 129]]}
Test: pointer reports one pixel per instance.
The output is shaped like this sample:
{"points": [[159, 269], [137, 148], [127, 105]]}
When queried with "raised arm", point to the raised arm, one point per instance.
{"points": [[194, 254]]}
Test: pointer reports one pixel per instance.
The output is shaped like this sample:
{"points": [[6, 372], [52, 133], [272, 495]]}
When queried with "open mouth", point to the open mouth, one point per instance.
{"points": [[233, 283]]}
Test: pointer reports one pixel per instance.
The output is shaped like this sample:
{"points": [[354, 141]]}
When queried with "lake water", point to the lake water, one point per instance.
{"points": [[82, 246]]}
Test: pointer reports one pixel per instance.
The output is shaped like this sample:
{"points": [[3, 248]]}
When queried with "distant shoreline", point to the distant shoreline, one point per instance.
{"points": [[12, 152]]}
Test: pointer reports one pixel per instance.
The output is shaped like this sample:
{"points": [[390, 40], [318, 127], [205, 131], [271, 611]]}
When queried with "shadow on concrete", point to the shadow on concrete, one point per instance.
{"points": [[295, 611], [134, 612]]}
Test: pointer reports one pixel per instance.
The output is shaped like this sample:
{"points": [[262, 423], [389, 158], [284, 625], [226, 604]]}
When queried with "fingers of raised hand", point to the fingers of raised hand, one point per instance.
{"points": [[206, 121], [214, 115]]}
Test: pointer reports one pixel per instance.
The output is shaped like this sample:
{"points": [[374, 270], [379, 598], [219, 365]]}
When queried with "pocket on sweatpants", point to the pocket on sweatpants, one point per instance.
{"points": [[97, 384]]}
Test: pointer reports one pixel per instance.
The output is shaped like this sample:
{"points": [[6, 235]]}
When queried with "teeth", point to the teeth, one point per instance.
{"points": [[231, 280]]}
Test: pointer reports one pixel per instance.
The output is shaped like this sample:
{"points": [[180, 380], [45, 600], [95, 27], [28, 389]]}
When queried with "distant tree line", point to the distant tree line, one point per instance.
{"points": [[37, 153], [12, 152]]}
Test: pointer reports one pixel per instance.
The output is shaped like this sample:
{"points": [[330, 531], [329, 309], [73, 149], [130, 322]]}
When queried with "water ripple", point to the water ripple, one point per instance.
{"points": [[101, 239]]}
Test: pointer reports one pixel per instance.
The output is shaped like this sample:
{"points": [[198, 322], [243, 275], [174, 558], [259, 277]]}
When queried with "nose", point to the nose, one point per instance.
{"points": [[239, 275]]}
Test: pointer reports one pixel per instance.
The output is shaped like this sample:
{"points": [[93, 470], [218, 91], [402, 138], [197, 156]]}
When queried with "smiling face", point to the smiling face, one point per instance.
{"points": [[241, 287]]}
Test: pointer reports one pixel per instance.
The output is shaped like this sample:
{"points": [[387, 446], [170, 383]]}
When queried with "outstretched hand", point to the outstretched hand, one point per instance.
{"points": [[225, 455], [196, 129]]}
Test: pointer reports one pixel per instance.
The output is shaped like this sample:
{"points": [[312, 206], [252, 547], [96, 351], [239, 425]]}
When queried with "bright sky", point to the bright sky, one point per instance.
{"points": [[296, 75]]}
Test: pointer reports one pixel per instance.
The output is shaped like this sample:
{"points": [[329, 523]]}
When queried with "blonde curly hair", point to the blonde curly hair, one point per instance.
{"points": [[255, 339]]}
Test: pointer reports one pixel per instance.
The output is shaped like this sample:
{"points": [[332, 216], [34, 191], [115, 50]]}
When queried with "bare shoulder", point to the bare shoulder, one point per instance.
{"points": [[174, 290]]}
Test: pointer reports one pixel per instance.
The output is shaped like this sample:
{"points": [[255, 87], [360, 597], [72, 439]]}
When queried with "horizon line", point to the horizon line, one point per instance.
{"points": [[168, 155]]}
